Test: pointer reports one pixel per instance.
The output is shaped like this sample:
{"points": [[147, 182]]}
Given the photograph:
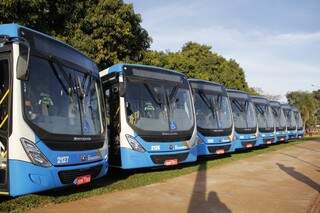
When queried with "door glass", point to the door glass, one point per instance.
{"points": [[4, 119]]}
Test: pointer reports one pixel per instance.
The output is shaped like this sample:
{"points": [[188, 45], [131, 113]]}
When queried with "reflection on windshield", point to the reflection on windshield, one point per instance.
{"points": [[212, 110], [291, 121], [158, 106], [243, 113], [65, 101], [264, 116], [279, 118]]}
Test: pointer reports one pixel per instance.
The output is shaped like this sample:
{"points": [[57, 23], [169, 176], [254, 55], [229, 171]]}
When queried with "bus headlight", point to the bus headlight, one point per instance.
{"points": [[135, 145], [34, 153]]}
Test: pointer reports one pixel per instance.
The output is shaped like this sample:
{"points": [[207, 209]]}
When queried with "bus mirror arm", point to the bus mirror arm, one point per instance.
{"points": [[23, 62], [122, 90]]}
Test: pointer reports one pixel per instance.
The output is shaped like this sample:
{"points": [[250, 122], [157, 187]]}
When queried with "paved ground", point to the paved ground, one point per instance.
{"points": [[283, 181]]}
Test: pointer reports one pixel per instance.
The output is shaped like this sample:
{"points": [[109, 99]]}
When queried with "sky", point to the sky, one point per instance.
{"points": [[276, 42]]}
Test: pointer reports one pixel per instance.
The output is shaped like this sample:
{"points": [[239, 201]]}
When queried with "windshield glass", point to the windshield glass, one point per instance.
{"points": [[279, 118], [297, 116], [243, 113], [212, 110], [62, 100], [158, 105], [291, 121], [264, 116]]}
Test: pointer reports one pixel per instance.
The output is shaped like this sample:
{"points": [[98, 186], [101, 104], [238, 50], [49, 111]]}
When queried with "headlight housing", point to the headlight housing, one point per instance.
{"points": [[34, 154], [135, 145]]}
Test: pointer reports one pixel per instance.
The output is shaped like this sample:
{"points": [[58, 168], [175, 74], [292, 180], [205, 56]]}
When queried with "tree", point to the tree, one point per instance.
{"points": [[198, 61], [306, 103], [108, 31]]}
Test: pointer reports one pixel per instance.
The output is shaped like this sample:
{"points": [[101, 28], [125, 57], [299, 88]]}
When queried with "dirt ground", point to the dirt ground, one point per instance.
{"points": [[287, 180]]}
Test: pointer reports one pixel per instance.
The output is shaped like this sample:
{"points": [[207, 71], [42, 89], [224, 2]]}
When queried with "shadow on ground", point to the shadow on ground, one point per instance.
{"points": [[199, 202], [299, 176]]}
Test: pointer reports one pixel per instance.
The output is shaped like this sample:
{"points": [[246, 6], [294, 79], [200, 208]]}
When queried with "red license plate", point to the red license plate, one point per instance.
{"points": [[269, 142], [82, 180], [249, 145], [171, 162], [220, 151]]}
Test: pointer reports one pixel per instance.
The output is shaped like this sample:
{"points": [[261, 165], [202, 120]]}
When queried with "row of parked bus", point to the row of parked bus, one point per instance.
{"points": [[62, 124]]}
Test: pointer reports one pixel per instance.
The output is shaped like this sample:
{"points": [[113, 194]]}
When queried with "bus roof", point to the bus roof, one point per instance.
{"points": [[59, 49], [286, 106], [117, 68]]}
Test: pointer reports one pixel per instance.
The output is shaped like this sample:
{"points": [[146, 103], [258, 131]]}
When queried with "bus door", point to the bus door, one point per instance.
{"points": [[112, 100], [4, 116]]}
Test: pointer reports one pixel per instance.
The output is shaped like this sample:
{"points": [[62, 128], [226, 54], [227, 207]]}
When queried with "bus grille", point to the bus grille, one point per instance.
{"points": [[68, 176], [160, 159], [213, 149]]}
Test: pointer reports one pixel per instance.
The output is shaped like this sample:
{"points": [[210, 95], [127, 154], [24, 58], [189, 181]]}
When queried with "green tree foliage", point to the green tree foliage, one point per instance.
{"points": [[198, 61], [307, 104], [108, 31]]}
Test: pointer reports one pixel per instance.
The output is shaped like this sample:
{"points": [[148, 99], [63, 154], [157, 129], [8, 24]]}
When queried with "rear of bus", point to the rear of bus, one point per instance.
{"points": [[52, 130], [214, 117], [150, 116], [244, 119]]}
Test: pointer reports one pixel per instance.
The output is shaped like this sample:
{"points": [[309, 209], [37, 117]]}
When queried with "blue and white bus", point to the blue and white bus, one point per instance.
{"points": [[150, 116], [291, 121], [52, 131], [279, 120], [244, 119], [214, 117], [265, 121], [300, 128]]}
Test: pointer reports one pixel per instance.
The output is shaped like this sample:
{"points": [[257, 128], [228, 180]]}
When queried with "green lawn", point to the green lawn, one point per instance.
{"points": [[122, 180]]}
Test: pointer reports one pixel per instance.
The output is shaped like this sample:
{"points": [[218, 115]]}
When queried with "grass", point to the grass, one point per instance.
{"points": [[121, 180]]}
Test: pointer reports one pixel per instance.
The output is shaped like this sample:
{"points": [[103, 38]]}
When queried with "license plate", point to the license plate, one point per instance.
{"points": [[282, 139], [82, 180], [249, 145], [171, 162], [220, 151], [269, 142]]}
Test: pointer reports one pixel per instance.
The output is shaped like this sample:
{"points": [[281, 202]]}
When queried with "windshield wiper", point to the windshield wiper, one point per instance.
{"points": [[238, 105], [208, 103], [153, 96]]}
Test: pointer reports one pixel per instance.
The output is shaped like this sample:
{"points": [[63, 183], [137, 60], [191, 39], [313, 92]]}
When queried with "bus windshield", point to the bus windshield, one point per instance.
{"points": [[279, 118], [264, 116], [158, 105], [297, 116], [212, 110], [291, 121], [62, 100], [243, 113]]}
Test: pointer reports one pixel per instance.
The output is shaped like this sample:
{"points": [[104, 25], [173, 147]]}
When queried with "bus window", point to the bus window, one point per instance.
{"points": [[4, 92]]}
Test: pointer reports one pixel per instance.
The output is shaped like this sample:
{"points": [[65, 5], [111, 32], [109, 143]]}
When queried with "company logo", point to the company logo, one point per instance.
{"points": [[83, 157], [155, 148], [81, 139]]}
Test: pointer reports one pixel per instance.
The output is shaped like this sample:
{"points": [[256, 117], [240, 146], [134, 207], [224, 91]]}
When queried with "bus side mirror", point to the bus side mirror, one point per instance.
{"points": [[23, 62]]}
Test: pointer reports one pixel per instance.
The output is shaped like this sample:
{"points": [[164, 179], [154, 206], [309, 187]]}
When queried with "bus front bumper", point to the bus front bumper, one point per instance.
{"points": [[25, 177]]}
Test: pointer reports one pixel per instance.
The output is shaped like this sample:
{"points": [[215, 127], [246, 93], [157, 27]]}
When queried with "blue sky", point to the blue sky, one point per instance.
{"points": [[277, 42]]}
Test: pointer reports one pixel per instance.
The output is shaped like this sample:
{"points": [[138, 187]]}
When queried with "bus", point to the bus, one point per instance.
{"points": [[279, 121], [265, 121], [52, 129], [214, 117], [300, 128], [291, 121], [244, 118], [150, 116]]}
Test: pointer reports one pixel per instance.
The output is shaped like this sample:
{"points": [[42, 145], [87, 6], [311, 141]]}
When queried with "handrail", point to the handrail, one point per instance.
{"points": [[4, 96], [4, 120]]}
